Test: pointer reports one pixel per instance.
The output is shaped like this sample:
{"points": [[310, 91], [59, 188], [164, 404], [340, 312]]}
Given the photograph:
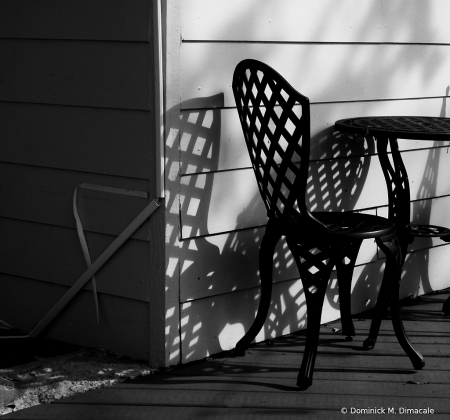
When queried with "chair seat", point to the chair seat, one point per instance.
{"points": [[347, 225], [356, 225]]}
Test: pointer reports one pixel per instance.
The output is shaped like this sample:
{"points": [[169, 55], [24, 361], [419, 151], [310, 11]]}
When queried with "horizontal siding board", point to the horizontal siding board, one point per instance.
{"points": [[232, 152], [108, 20], [411, 21], [53, 255], [232, 200], [414, 21], [282, 20], [224, 201], [229, 262], [123, 326], [45, 195], [325, 72], [95, 74], [106, 141]]}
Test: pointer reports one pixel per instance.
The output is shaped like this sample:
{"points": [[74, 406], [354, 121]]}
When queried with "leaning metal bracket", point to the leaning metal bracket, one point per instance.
{"points": [[94, 267], [80, 230]]}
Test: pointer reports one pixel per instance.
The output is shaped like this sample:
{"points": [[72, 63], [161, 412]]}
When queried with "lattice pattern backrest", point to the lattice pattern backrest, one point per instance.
{"points": [[276, 124]]}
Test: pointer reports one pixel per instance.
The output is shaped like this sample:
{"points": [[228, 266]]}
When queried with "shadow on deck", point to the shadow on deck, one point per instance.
{"points": [[262, 384]]}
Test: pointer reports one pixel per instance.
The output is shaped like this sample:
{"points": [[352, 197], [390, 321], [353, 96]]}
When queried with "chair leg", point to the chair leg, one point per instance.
{"points": [[393, 274], [344, 270], [314, 303], [379, 311], [446, 307], [266, 252], [314, 265]]}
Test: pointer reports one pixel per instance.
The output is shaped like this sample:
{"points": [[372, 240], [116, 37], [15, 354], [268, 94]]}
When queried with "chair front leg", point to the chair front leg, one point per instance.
{"points": [[314, 305], [314, 262], [266, 252]]}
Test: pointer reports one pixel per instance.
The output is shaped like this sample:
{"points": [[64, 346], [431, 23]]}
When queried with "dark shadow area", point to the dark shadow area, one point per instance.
{"points": [[17, 349]]}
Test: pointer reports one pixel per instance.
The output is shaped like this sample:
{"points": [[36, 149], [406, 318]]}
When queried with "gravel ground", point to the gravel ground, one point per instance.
{"points": [[40, 371]]}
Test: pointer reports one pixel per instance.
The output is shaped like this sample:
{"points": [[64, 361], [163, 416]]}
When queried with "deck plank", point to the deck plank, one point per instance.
{"points": [[108, 412], [261, 384]]}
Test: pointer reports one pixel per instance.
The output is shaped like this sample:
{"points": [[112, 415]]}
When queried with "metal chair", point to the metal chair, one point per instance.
{"points": [[275, 120]]}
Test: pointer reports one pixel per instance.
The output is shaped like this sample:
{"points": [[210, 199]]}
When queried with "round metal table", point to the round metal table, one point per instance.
{"points": [[386, 130], [414, 128]]}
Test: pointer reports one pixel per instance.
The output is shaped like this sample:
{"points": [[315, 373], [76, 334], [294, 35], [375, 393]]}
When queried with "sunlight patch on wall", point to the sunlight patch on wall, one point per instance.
{"points": [[230, 334], [295, 289], [173, 262]]}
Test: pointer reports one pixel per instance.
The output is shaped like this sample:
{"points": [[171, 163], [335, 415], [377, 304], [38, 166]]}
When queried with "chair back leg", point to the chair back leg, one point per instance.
{"points": [[315, 263], [345, 265]]}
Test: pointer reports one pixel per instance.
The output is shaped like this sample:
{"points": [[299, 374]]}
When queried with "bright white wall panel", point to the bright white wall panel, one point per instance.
{"points": [[323, 72], [416, 21], [282, 20], [410, 21]]}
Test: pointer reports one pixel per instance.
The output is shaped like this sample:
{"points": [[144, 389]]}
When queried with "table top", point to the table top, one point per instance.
{"points": [[404, 127]]}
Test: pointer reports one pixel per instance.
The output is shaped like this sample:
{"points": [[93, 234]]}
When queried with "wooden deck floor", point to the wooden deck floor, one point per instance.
{"points": [[262, 384]]}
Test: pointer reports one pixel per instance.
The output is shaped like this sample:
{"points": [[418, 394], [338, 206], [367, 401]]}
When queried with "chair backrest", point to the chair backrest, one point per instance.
{"points": [[275, 119]]}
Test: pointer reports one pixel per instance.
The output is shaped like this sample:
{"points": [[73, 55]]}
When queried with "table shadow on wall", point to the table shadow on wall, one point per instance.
{"points": [[415, 278], [415, 267]]}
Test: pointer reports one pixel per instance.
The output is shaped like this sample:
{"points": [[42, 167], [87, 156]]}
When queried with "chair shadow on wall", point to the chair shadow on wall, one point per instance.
{"points": [[212, 266]]}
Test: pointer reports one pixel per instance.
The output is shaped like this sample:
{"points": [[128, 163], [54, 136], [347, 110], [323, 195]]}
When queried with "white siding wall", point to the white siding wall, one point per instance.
{"points": [[351, 58]]}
